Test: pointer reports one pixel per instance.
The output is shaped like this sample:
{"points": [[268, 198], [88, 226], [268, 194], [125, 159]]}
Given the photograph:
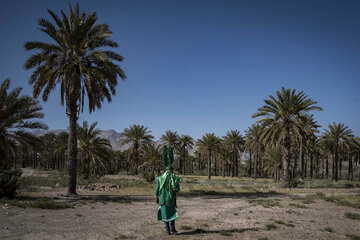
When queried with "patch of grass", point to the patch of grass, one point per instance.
{"points": [[347, 200], [185, 227], [235, 214], [78, 215], [270, 226], [284, 223], [290, 211], [263, 238], [43, 203], [289, 225], [280, 222], [297, 205], [324, 183], [329, 229], [352, 215], [353, 236], [225, 233], [266, 203], [205, 225]]}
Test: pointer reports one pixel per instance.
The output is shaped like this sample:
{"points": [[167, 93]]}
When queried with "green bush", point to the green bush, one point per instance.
{"points": [[9, 182]]}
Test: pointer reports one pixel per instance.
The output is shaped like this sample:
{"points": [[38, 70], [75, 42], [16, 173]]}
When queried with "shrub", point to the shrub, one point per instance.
{"points": [[271, 226], [352, 215], [9, 182], [353, 236]]}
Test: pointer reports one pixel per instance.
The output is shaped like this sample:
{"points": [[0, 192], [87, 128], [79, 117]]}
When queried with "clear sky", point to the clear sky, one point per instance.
{"points": [[206, 66]]}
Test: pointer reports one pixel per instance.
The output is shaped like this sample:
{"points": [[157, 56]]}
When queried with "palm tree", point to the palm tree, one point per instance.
{"points": [[77, 62], [209, 142], [306, 128], [93, 151], [272, 161], [152, 154], [136, 136], [279, 115], [225, 158], [236, 143], [333, 136], [186, 142], [354, 151], [18, 114], [170, 139], [61, 147], [48, 150], [254, 141]]}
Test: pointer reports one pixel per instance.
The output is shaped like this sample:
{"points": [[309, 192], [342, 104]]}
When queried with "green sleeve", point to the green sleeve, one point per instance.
{"points": [[157, 190], [177, 187]]}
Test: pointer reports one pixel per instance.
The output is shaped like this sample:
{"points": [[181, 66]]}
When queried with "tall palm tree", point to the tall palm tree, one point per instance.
{"points": [[280, 114], [255, 143], [306, 127], [61, 147], [93, 151], [209, 142], [77, 61], [170, 138], [333, 137], [48, 150], [354, 152], [273, 160], [186, 142], [18, 114], [137, 136], [152, 155], [236, 142]]}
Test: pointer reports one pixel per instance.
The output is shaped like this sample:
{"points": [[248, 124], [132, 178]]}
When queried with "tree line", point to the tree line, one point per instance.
{"points": [[284, 142]]}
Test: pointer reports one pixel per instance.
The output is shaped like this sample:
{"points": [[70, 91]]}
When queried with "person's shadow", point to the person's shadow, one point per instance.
{"points": [[221, 232]]}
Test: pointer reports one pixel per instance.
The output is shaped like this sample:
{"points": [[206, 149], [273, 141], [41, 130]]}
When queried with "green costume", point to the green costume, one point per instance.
{"points": [[167, 187]]}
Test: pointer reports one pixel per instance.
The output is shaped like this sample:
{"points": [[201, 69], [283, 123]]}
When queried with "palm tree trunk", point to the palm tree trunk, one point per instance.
{"points": [[72, 147], [215, 169], [256, 161], [286, 157], [262, 162], [333, 168], [250, 163], [209, 165], [181, 162], [136, 161], [311, 165], [340, 167], [301, 157], [236, 164], [327, 168], [336, 162], [350, 169], [223, 169], [184, 172]]}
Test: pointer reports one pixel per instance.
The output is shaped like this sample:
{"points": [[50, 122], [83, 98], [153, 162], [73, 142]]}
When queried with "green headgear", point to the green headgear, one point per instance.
{"points": [[168, 158]]}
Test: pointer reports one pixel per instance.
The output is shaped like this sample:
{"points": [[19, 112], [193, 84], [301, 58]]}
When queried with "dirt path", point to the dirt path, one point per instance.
{"points": [[134, 217]]}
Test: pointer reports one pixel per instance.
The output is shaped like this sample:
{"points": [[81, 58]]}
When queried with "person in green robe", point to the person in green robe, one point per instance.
{"points": [[165, 193]]}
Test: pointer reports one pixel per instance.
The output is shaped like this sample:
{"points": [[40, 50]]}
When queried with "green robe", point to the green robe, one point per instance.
{"points": [[167, 203]]}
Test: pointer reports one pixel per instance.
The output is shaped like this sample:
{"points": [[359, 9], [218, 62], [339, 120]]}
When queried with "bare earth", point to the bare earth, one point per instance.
{"points": [[114, 216]]}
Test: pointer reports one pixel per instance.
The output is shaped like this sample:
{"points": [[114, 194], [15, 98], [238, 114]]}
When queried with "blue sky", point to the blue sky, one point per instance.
{"points": [[206, 66]]}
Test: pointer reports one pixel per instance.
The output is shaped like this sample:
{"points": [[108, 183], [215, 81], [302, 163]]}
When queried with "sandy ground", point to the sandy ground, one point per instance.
{"points": [[117, 216]]}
